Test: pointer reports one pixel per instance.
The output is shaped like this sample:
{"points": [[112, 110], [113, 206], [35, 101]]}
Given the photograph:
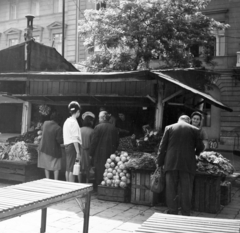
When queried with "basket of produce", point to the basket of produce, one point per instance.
{"points": [[20, 151], [213, 163], [116, 179], [141, 161]]}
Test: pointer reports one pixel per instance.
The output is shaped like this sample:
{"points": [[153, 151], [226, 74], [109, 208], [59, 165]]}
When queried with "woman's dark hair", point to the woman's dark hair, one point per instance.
{"points": [[88, 121], [55, 116], [73, 107], [197, 114]]}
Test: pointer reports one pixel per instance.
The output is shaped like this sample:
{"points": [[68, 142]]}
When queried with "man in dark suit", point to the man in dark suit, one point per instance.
{"points": [[177, 153]]}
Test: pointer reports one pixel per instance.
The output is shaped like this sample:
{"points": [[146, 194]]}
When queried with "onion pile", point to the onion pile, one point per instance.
{"points": [[115, 174]]}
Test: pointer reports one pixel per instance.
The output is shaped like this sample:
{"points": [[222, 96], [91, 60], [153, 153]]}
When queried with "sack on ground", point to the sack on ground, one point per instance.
{"points": [[157, 181]]}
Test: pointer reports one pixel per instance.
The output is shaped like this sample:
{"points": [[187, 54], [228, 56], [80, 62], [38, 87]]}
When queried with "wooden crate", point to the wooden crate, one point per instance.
{"points": [[20, 171], [140, 188], [113, 194], [206, 193], [226, 192]]}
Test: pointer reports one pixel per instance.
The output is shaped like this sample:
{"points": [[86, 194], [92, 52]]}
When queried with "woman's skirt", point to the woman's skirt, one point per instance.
{"points": [[49, 162], [70, 157]]}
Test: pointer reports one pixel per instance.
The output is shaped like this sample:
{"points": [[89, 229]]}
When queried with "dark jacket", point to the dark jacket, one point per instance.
{"points": [[52, 137], [179, 146], [104, 142]]}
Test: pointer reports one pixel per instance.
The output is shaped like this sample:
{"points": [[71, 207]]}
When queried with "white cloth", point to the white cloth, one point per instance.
{"points": [[71, 132]]}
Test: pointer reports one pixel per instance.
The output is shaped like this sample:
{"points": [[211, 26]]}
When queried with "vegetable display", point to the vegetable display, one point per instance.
{"points": [[20, 151], [211, 162], [115, 174], [4, 150], [125, 144], [150, 141], [141, 160]]}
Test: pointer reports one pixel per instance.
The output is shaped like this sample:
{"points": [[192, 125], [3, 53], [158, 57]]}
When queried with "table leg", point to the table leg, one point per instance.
{"points": [[43, 220], [86, 213]]}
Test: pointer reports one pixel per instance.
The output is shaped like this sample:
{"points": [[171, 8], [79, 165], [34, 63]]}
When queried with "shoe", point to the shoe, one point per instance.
{"points": [[170, 212]]}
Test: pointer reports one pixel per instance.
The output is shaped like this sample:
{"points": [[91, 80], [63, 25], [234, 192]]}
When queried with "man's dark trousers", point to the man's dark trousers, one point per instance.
{"points": [[179, 179]]}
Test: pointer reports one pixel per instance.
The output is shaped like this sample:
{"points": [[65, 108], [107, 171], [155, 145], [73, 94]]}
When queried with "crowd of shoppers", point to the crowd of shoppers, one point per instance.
{"points": [[92, 144], [89, 145]]}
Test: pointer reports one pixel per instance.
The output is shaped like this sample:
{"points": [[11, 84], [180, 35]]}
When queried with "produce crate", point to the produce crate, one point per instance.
{"points": [[226, 190], [113, 194], [20, 171], [140, 188], [206, 193]]}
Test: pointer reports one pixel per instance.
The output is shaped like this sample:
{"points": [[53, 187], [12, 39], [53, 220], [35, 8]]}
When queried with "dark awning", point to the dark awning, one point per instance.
{"points": [[208, 98], [94, 100]]}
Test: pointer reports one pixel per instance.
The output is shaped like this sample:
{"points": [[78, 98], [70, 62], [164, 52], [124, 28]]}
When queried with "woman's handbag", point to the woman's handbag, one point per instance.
{"points": [[157, 180]]}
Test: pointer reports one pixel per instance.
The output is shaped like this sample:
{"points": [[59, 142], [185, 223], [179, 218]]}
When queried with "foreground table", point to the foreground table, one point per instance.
{"points": [[166, 223], [23, 198]]}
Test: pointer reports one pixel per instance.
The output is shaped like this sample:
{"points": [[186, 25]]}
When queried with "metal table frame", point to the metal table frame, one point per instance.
{"points": [[45, 202]]}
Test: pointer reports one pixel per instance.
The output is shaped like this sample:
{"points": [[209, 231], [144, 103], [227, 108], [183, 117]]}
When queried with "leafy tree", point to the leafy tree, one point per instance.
{"points": [[132, 32]]}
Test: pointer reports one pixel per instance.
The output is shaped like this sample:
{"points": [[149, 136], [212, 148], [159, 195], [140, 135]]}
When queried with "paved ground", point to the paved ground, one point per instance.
{"points": [[112, 217], [109, 217]]}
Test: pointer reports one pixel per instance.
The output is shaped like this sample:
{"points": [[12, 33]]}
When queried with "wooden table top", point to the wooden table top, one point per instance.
{"points": [[166, 223], [26, 197]]}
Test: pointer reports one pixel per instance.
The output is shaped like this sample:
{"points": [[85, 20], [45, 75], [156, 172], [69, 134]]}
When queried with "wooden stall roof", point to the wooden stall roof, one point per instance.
{"points": [[163, 77], [78, 76], [102, 79]]}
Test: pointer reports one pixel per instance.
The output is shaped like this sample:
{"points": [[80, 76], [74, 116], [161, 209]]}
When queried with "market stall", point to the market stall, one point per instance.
{"points": [[144, 96]]}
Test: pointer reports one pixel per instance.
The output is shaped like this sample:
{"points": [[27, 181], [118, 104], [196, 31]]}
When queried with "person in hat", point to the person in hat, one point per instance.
{"points": [[72, 139], [86, 131]]}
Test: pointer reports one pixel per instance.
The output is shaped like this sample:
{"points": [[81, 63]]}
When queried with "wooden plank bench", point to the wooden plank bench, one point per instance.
{"points": [[16, 200], [166, 223]]}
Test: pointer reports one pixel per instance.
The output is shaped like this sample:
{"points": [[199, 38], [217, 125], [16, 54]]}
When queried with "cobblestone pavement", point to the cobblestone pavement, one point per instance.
{"points": [[105, 216]]}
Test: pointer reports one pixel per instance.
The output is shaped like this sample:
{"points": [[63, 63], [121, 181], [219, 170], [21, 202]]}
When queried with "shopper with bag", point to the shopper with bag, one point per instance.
{"points": [[177, 153], [72, 140]]}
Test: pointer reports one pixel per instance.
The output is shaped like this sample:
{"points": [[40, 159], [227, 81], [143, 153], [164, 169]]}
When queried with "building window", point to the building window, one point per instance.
{"points": [[37, 39], [13, 10], [101, 5], [57, 6], [219, 43], [37, 33], [36, 7], [57, 42], [55, 35], [12, 42], [13, 36]]}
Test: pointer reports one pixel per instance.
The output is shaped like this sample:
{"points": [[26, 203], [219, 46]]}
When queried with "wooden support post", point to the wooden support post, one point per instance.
{"points": [[86, 213], [43, 220], [26, 117], [159, 107]]}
